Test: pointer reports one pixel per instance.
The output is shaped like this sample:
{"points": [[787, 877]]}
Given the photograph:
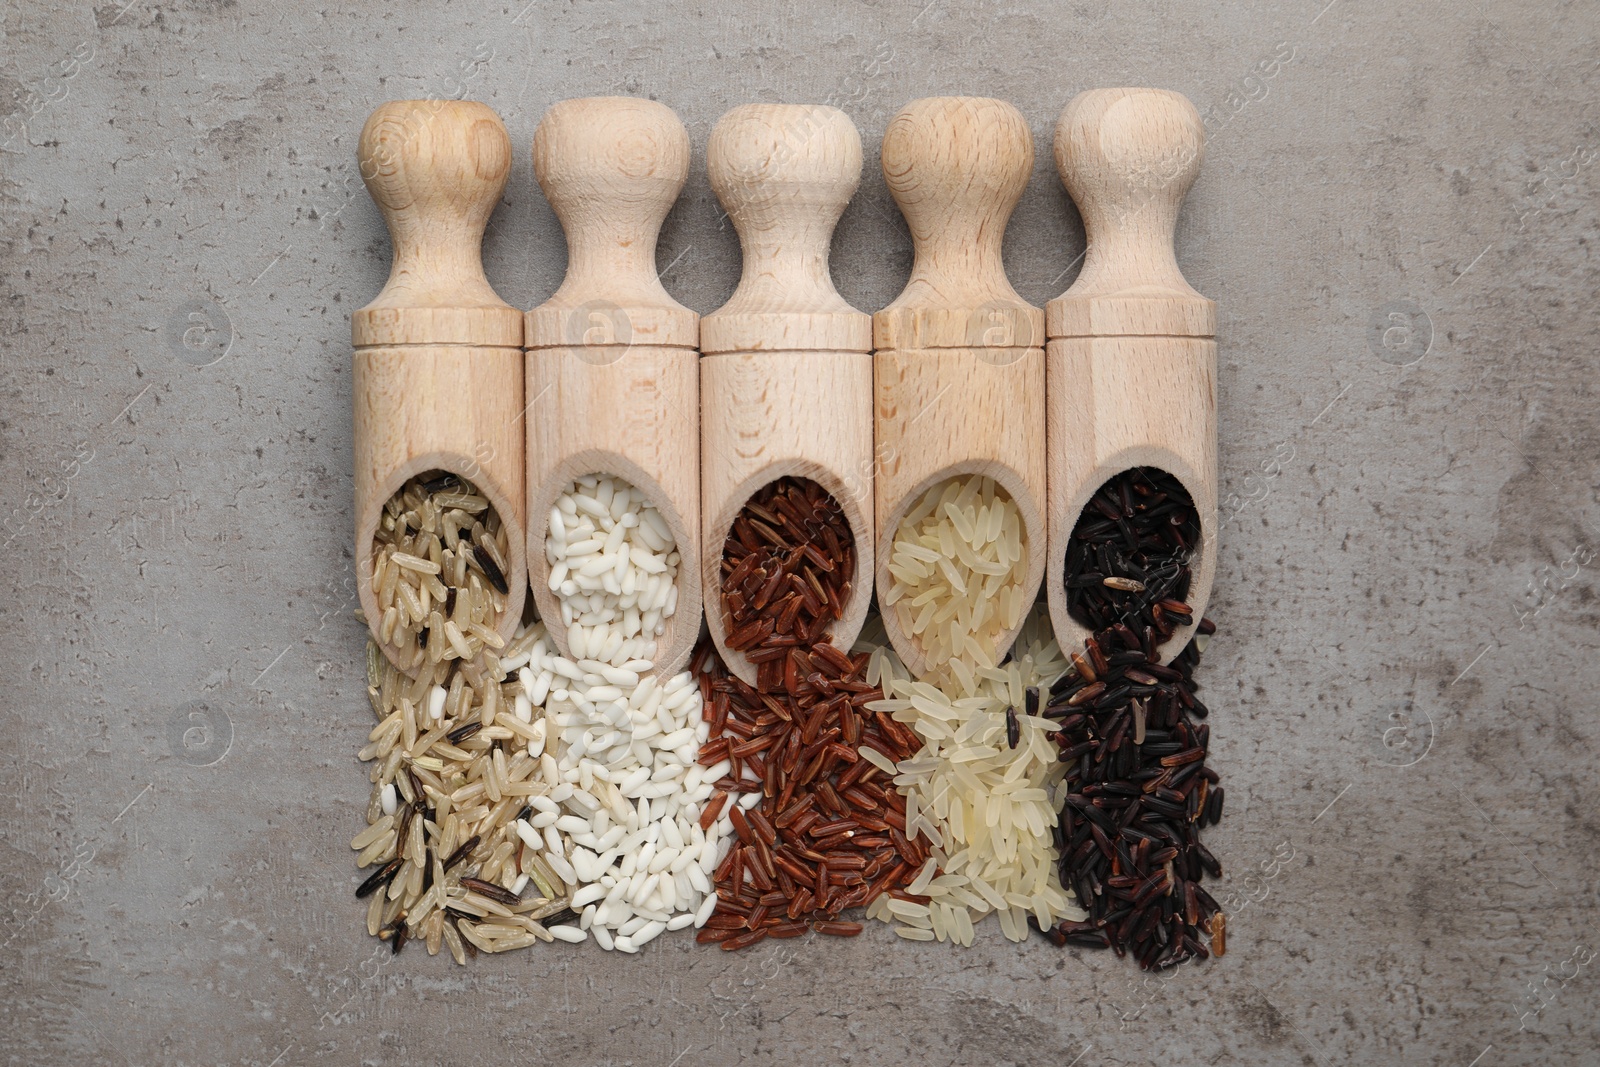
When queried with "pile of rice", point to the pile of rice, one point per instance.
{"points": [[990, 809], [520, 796], [622, 817], [583, 809], [958, 566], [452, 768], [439, 560]]}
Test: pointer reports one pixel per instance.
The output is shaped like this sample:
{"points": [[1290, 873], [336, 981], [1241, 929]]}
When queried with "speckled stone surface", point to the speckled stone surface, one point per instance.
{"points": [[1397, 218]]}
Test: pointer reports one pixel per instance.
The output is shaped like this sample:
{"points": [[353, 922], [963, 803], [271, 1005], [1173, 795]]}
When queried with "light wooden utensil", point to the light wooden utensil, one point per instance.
{"points": [[612, 375], [1132, 356], [438, 355], [960, 364], [786, 365]]}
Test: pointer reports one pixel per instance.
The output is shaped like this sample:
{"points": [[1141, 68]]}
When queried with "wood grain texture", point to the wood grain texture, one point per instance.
{"points": [[436, 169], [786, 376], [957, 166], [437, 378], [959, 371], [612, 374], [611, 167], [1131, 365]]}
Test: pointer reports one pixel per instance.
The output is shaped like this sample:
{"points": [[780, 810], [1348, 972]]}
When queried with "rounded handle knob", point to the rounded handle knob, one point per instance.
{"points": [[785, 173], [611, 168], [957, 167], [1128, 157], [436, 169]]}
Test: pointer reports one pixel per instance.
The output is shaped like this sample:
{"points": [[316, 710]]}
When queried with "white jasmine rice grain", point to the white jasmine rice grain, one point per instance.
{"points": [[957, 566], [987, 807]]}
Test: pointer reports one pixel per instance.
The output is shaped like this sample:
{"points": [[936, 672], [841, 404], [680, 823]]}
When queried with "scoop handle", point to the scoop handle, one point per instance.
{"points": [[1128, 157], [959, 378]]}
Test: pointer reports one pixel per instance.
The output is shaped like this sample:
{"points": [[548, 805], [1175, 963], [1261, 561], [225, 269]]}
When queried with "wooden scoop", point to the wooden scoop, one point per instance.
{"points": [[612, 375], [1132, 356], [786, 371], [438, 361], [959, 365]]}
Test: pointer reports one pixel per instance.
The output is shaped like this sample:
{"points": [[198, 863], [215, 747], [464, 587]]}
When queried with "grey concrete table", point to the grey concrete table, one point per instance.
{"points": [[1397, 218]]}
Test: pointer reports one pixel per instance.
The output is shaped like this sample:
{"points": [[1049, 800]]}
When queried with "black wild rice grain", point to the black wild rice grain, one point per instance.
{"points": [[444, 480], [396, 932], [380, 878], [461, 733], [1130, 731], [463, 851], [1128, 560], [407, 813], [491, 569], [492, 891]]}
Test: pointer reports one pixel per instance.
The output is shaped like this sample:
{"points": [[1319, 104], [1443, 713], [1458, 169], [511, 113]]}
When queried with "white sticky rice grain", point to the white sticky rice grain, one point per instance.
{"points": [[613, 573], [618, 817]]}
